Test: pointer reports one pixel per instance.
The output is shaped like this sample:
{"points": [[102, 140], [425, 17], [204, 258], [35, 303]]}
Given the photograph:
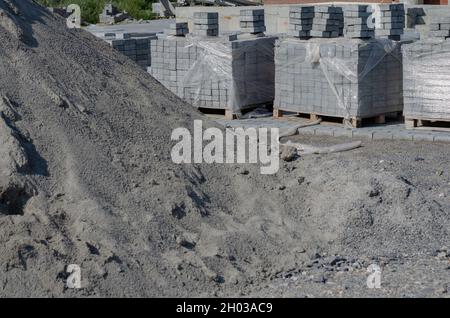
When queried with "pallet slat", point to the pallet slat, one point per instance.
{"points": [[355, 122], [427, 123], [226, 113]]}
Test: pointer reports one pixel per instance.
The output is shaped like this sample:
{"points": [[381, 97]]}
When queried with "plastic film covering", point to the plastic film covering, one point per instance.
{"points": [[426, 66], [339, 77], [215, 72]]}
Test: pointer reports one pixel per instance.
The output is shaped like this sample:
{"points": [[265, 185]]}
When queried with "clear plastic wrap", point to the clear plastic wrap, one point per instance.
{"points": [[338, 77], [426, 65], [215, 72]]}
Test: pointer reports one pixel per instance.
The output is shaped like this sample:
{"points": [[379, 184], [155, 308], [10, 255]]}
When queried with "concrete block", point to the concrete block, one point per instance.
{"points": [[343, 132], [442, 137], [324, 131], [423, 137], [363, 133], [382, 135], [403, 135]]}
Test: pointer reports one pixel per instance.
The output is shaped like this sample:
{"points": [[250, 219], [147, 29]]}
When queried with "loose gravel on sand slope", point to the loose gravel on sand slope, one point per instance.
{"points": [[86, 178]]}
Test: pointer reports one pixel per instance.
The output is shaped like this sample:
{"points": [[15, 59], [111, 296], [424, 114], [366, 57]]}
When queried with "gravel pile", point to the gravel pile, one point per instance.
{"points": [[86, 178]]}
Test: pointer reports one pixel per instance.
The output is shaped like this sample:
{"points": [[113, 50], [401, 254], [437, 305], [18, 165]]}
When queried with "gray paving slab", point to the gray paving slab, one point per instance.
{"points": [[442, 137], [403, 135], [348, 133], [363, 133], [324, 131], [309, 130], [382, 135], [420, 136]]}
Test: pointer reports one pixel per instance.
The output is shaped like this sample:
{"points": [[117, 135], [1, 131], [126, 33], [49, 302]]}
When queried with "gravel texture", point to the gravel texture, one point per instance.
{"points": [[86, 178]]}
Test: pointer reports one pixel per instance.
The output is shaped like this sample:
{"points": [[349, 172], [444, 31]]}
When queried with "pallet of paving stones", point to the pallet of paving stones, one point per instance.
{"points": [[215, 73], [342, 78], [426, 76]]}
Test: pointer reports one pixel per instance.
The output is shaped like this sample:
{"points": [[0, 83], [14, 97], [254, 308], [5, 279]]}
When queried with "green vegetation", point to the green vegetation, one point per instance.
{"points": [[90, 9]]}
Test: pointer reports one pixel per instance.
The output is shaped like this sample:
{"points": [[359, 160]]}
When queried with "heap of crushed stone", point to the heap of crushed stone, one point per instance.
{"points": [[86, 178]]}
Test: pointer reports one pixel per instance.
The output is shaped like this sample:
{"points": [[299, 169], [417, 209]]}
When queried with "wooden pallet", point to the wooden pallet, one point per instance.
{"points": [[355, 122], [427, 123], [228, 113], [219, 112]]}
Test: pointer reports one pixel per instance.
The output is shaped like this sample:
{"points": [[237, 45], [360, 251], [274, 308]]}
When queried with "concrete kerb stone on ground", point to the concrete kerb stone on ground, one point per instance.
{"points": [[395, 131]]}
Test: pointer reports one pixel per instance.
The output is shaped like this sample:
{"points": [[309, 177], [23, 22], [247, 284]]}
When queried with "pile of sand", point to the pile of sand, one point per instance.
{"points": [[86, 178]]}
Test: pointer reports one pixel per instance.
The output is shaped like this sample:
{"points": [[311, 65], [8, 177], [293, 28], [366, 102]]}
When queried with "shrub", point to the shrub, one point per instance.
{"points": [[90, 9]]}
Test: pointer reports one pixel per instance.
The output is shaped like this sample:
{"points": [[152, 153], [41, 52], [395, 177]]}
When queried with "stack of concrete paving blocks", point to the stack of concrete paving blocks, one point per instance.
{"points": [[328, 22], [440, 28], [345, 78], [356, 22], [252, 21], [206, 24], [392, 21], [316, 21], [426, 76], [300, 21], [420, 17], [178, 29], [214, 72], [135, 48]]}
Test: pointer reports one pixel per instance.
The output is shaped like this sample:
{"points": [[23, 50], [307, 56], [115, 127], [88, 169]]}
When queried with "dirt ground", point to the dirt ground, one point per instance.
{"points": [[86, 178], [375, 205]]}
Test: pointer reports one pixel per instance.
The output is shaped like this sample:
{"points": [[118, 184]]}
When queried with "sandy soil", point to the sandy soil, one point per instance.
{"points": [[86, 178]]}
